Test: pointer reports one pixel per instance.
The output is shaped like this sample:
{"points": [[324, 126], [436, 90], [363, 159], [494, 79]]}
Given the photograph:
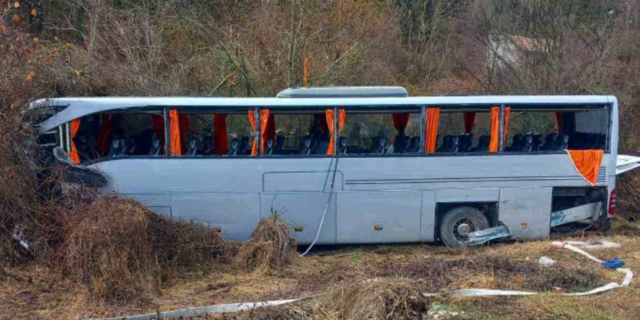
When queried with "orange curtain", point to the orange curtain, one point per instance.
{"points": [[469, 121], [267, 129], [178, 125], [252, 121], [73, 153], [495, 129], [220, 143], [559, 121], [431, 134], [507, 113], [330, 125], [105, 135], [587, 163]]}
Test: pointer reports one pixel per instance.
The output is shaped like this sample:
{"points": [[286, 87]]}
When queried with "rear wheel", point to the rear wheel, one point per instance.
{"points": [[458, 222]]}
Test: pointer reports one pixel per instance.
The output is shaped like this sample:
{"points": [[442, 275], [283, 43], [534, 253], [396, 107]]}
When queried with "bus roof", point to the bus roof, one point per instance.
{"points": [[77, 107]]}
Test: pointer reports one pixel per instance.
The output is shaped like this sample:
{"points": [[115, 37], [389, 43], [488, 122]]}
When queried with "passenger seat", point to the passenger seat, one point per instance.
{"points": [[401, 143], [208, 145], [279, 145], [156, 146], [192, 147], [268, 148], [342, 145], [515, 143], [527, 143], [234, 147], [414, 145], [305, 145], [465, 141], [549, 142], [535, 143], [118, 148], [562, 142], [483, 144], [378, 145], [449, 144]]}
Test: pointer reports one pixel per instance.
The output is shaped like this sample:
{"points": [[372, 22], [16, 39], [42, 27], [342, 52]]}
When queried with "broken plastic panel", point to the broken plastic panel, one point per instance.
{"points": [[486, 235]]}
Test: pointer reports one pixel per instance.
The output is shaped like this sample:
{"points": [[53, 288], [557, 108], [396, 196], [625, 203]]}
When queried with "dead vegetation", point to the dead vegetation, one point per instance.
{"points": [[270, 247], [125, 252], [383, 284], [377, 298]]}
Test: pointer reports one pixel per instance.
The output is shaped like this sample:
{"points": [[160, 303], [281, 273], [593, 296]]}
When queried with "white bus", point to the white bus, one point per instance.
{"points": [[352, 164]]}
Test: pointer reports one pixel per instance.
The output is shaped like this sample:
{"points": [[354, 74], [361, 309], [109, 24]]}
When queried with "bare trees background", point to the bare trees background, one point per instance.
{"points": [[249, 48]]}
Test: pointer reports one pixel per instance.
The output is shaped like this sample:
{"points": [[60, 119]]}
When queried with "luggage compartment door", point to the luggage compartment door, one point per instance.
{"points": [[526, 211], [379, 216], [303, 210]]}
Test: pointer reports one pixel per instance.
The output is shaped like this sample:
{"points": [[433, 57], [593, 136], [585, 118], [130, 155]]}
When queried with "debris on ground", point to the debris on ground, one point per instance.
{"points": [[443, 312], [546, 262]]}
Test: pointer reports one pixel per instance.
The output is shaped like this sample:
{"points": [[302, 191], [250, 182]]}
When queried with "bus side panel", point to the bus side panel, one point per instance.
{"points": [[159, 203], [379, 217], [236, 214], [428, 218], [526, 211], [303, 210]]}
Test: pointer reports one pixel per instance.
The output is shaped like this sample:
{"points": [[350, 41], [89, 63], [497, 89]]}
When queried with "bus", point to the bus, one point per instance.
{"points": [[350, 165]]}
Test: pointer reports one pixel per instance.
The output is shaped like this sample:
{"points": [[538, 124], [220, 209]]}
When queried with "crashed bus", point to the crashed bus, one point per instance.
{"points": [[350, 165]]}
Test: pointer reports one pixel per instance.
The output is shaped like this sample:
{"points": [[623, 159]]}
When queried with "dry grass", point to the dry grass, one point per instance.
{"points": [[377, 298], [345, 277], [125, 253], [110, 250], [270, 247]]}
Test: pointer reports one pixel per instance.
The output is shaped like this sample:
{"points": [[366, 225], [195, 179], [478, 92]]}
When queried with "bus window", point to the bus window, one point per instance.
{"points": [[212, 134], [239, 134], [381, 133], [531, 131], [587, 129], [116, 134], [298, 134], [460, 132]]}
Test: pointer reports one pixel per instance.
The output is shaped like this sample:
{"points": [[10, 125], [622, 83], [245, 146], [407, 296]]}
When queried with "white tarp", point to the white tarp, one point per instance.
{"points": [[573, 246]]}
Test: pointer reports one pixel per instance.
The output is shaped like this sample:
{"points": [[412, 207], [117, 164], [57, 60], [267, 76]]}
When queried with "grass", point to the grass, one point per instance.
{"points": [[383, 276]]}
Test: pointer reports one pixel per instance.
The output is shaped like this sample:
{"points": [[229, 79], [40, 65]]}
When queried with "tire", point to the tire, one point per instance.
{"points": [[456, 216]]}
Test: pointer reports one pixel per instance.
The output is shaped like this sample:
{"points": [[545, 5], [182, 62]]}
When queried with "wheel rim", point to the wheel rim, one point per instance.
{"points": [[462, 228]]}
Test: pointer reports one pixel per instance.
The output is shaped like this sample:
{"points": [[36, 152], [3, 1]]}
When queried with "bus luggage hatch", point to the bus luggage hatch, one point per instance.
{"points": [[526, 212], [379, 216]]}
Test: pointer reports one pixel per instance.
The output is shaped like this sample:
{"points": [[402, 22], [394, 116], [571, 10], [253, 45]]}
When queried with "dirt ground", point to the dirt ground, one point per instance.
{"points": [[33, 292]]}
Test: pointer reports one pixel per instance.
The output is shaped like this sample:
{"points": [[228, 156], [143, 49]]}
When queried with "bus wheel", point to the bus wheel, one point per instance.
{"points": [[458, 222]]}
